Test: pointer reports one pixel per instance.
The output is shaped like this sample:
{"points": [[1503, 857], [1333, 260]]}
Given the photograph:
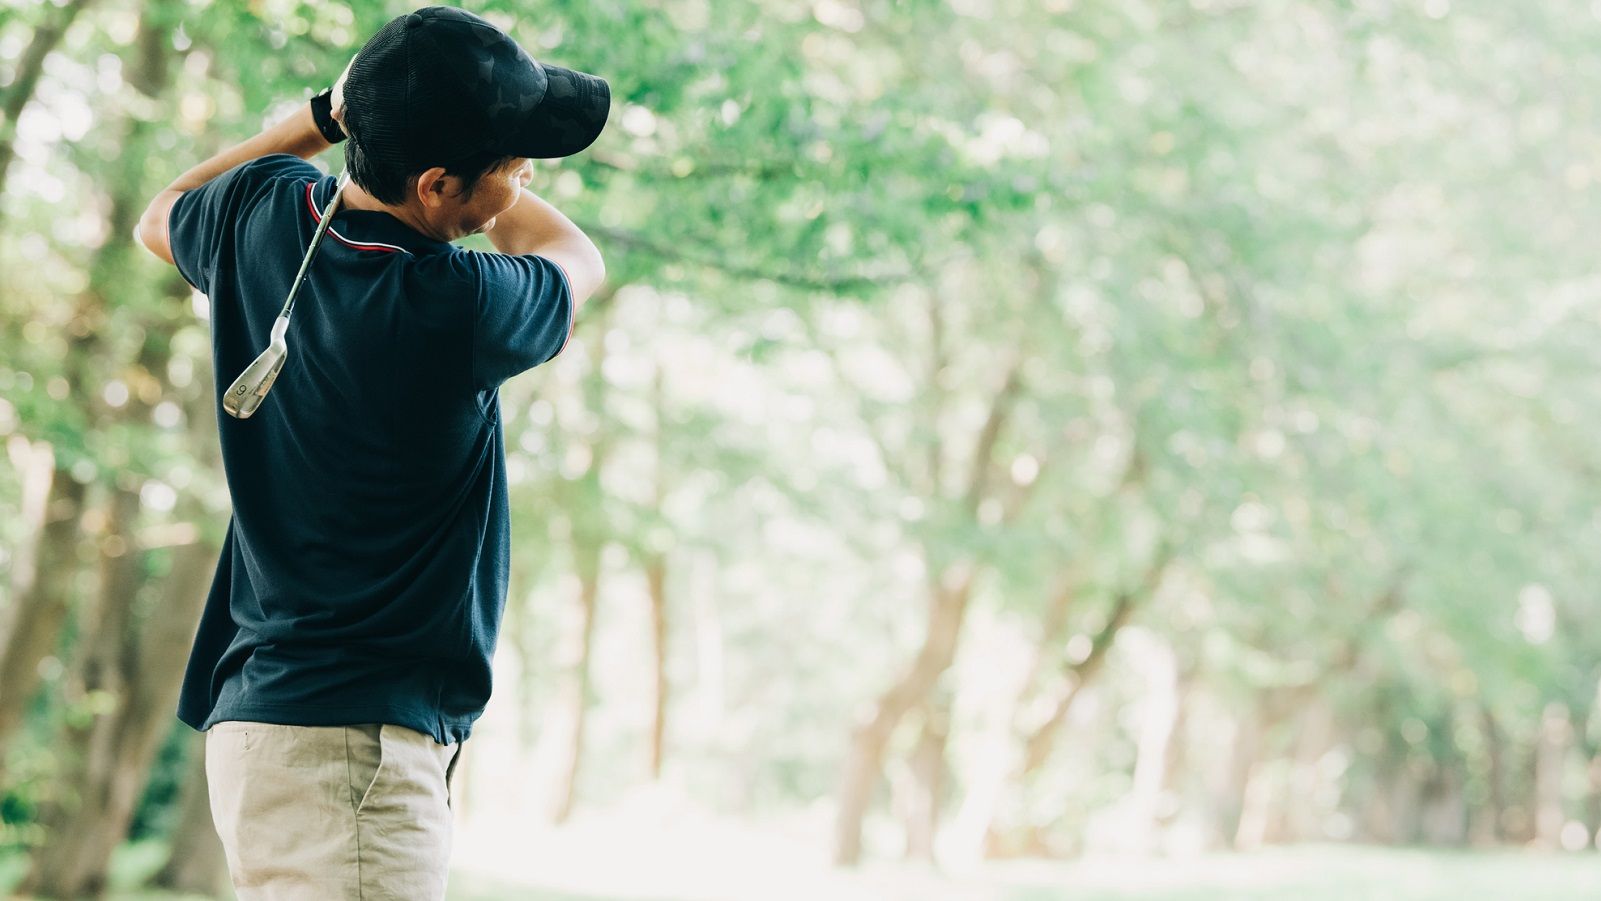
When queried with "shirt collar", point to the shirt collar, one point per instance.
{"points": [[368, 230]]}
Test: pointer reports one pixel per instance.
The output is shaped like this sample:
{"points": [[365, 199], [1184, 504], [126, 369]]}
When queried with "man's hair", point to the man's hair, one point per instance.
{"points": [[389, 182]]}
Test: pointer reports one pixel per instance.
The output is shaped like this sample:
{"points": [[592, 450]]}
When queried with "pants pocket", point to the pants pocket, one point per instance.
{"points": [[364, 758], [450, 774], [403, 818], [280, 800], [224, 749]]}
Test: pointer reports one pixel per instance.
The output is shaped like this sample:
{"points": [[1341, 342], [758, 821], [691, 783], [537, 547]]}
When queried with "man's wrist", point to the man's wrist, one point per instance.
{"points": [[322, 114]]}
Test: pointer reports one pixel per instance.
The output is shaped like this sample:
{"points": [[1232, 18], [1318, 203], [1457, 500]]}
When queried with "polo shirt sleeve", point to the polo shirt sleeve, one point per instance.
{"points": [[523, 318], [201, 222]]}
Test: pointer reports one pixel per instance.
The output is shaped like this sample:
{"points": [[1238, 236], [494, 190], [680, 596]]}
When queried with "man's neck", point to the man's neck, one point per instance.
{"points": [[409, 215]]}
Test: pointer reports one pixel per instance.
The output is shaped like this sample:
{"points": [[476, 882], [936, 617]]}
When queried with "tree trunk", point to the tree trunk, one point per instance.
{"points": [[986, 779], [656, 582], [130, 675], [1408, 794], [1443, 808], [35, 465], [1227, 799], [196, 864], [1159, 711], [129, 678], [1256, 805], [949, 593], [124, 742], [1592, 799], [1299, 817], [45, 38], [578, 681], [1490, 823], [1265, 779], [656, 579], [589, 538], [1038, 743], [864, 762], [42, 609], [1052, 627], [1037, 746], [926, 787], [1175, 781], [1556, 737]]}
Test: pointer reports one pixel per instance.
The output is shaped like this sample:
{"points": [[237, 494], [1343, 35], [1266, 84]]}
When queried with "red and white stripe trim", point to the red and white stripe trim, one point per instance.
{"points": [[316, 216]]}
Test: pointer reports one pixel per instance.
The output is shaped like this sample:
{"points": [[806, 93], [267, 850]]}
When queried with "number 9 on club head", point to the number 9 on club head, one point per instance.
{"points": [[251, 387]]}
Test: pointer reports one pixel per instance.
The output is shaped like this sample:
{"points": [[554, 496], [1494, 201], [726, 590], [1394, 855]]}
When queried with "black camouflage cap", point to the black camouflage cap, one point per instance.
{"points": [[440, 84]]}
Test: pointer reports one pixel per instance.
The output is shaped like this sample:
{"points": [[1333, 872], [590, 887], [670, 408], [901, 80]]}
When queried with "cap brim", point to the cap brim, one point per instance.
{"points": [[569, 118]]}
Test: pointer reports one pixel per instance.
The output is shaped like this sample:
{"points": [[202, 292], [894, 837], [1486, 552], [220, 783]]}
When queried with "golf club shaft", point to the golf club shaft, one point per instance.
{"points": [[251, 387], [316, 239]]}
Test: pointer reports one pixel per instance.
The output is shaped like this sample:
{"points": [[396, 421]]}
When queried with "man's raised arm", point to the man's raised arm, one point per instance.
{"points": [[534, 226], [296, 134]]}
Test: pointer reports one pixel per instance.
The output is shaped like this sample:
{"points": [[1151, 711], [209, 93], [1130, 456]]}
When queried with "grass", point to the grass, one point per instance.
{"points": [[1305, 873], [1323, 873]]}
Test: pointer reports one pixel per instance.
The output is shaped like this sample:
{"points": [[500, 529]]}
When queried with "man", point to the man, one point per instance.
{"points": [[344, 652]]}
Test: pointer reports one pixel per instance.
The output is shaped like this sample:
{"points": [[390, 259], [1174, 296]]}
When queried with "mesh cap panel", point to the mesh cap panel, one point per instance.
{"points": [[441, 84]]}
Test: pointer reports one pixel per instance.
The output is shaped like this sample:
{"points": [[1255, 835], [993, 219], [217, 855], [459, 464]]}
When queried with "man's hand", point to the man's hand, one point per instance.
{"points": [[338, 98]]}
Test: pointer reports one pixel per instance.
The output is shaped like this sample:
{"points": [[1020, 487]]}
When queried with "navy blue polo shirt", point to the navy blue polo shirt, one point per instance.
{"points": [[363, 575]]}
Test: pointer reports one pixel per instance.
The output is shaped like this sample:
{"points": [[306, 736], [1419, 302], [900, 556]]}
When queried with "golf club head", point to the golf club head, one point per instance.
{"points": [[251, 387]]}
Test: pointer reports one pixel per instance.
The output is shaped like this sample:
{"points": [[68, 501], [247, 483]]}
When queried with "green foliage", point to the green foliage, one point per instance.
{"points": [[1298, 290]]}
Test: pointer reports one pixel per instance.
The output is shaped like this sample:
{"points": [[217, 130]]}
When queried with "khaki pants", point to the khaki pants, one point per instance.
{"points": [[321, 813]]}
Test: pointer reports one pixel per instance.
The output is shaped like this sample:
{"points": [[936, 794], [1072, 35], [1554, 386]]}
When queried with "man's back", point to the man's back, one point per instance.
{"points": [[365, 566]]}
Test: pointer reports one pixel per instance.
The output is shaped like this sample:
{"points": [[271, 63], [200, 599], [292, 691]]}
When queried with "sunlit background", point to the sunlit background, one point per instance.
{"points": [[1026, 449]]}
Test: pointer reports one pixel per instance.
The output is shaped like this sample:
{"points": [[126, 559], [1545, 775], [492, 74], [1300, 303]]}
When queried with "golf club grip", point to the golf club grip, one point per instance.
{"points": [[316, 241]]}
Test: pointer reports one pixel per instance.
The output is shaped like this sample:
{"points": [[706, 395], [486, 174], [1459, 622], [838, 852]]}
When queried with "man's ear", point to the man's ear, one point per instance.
{"points": [[433, 186]]}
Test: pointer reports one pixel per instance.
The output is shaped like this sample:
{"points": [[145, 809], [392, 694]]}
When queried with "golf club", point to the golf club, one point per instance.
{"points": [[251, 387]]}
